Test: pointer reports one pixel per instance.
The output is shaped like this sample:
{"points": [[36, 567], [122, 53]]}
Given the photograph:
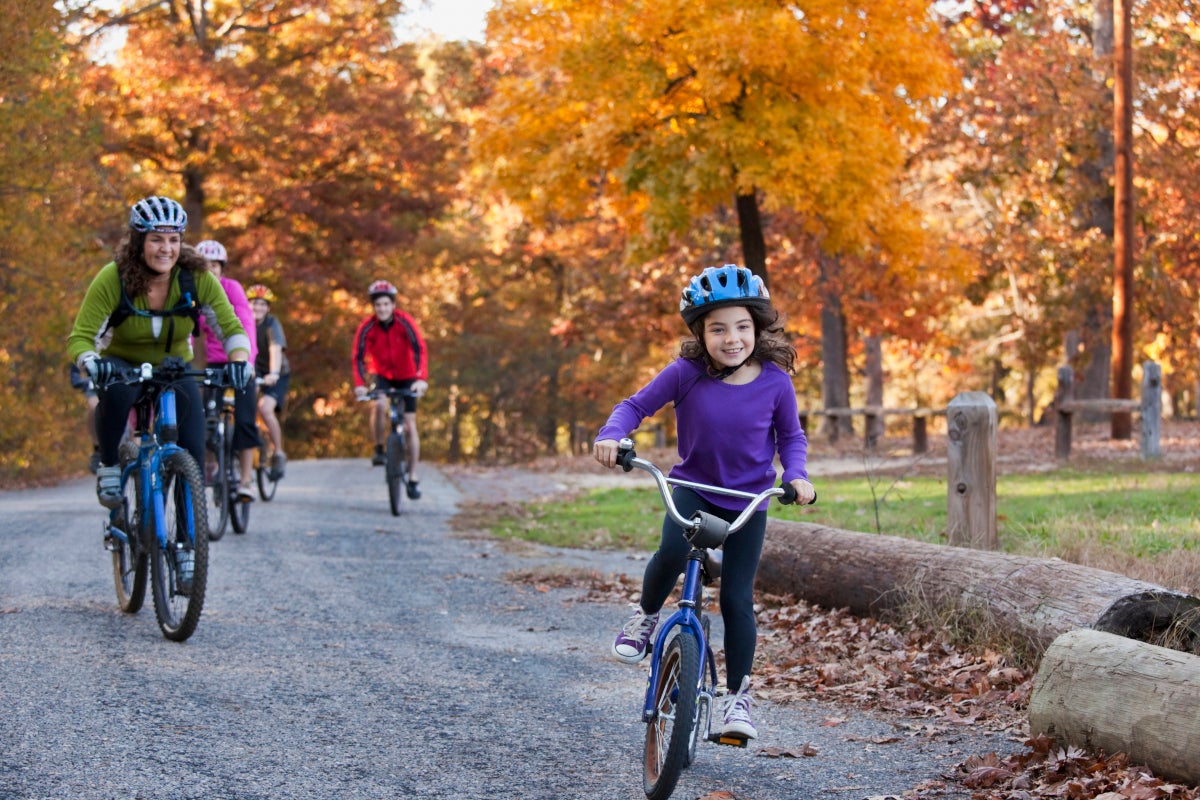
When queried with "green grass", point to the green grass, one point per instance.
{"points": [[1128, 514]]}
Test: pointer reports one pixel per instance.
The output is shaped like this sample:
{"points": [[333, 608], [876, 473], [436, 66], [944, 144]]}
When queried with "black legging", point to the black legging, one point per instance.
{"points": [[245, 415], [116, 400], [738, 567]]}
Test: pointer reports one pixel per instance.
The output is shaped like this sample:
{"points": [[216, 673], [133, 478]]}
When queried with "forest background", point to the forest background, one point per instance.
{"points": [[926, 186]]}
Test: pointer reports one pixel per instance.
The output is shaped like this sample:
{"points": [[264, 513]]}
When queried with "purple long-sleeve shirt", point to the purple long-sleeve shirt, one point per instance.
{"points": [[728, 434]]}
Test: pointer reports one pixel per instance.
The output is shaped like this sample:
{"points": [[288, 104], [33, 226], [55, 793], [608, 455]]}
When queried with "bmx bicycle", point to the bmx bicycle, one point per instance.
{"points": [[681, 688]]}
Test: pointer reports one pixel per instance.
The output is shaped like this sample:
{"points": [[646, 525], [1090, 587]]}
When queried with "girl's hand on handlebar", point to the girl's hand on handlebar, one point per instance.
{"points": [[419, 387], [360, 392], [806, 493], [605, 452]]}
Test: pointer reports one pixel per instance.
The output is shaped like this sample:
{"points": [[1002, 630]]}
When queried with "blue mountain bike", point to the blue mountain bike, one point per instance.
{"points": [[161, 527], [681, 687]]}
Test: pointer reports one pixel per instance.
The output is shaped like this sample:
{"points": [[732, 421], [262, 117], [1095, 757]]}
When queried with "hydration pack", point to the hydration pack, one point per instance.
{"points": [[188, 306]]}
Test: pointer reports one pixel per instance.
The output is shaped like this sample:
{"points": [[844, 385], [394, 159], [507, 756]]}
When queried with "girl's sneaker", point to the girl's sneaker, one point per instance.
{"points": [[736, 713], [633, 642]]}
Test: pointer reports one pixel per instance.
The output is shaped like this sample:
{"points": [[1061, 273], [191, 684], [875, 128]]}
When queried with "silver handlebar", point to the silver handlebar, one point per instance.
{"points": [[703, 529]]}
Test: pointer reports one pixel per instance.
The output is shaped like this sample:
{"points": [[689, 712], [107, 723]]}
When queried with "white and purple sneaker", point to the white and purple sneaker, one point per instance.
{"points": [[633, 642]]}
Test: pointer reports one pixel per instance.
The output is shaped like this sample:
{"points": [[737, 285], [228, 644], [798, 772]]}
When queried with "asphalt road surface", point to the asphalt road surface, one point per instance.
{"points": [[345, 653]]}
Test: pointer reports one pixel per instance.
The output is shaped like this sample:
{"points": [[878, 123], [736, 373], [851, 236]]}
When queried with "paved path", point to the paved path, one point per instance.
{"points": [[344, 653]]}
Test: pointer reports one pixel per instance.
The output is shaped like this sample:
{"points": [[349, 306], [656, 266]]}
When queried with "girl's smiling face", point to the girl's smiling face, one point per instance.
{"points": [[729, 335], [161, 251]]}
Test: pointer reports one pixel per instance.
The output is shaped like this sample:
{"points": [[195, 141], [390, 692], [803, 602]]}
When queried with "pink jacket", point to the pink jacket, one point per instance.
{"points": [[241, 306]]}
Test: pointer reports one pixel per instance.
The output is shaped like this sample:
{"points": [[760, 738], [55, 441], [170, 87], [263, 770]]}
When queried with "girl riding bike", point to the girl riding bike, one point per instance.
{"points": [[735, 408]]}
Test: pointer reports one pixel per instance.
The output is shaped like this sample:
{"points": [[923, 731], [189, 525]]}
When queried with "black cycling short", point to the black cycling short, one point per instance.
{"points": [[410, 401]]}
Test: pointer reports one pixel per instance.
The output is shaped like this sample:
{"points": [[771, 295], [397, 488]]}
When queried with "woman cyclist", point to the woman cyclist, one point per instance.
{"points": [[136, 311]]}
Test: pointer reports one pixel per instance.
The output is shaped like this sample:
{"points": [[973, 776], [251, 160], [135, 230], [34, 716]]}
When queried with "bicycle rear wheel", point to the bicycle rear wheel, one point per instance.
{"points": [[129, 560], [396, 471], [218, 489], [178, 602], [669, 734]]}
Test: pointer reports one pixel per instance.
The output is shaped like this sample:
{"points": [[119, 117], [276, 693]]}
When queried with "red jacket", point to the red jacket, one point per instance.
{"points": [[395, 351]]}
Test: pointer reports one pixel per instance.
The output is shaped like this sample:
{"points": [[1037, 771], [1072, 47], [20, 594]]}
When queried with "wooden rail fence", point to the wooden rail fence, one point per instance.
{"points": [[875, 417], [1149, 407]]}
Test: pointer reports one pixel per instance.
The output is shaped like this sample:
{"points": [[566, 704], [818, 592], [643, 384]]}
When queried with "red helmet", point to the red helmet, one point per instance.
{"points": [[380, 288]]}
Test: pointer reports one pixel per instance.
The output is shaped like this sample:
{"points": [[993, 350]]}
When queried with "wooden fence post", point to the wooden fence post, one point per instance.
{"points": [[920, 435], [1062, 417], [971, 420], [1151, 410]]}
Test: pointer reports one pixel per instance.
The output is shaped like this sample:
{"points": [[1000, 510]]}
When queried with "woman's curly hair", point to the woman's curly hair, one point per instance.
{"points": [[136, 273], [770, 344]]}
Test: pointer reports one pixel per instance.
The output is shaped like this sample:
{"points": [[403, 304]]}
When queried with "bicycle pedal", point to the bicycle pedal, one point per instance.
{"points": [[731, 739]]}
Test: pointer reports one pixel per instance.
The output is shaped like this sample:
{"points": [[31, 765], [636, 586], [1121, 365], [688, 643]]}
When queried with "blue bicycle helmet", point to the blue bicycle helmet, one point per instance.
{"points": [[160, 214], [715, 287]]}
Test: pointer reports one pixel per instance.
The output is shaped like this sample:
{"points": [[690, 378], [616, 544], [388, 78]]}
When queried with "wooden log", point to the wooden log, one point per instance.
{"points": [[1035, 599], [1109, 405], [971, 421], [1103, 692]]}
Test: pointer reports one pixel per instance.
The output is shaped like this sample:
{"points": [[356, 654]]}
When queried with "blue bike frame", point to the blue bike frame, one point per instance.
{"points": [[153, 447]]}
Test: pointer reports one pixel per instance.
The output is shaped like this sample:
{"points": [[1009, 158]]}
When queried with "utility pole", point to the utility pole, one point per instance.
{"points": [[1122, 332]]}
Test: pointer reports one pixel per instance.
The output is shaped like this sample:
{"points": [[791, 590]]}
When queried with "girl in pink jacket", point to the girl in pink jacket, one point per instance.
{"points": [[245, 432]]}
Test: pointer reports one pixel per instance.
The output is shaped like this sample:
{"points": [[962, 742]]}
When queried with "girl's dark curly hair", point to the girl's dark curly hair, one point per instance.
{"points": [[770, 344], [136, 273]]}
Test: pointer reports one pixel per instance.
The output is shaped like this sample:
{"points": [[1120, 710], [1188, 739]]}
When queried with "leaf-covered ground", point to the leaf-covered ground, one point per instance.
{"points": [[912, 673], [928, 684]]}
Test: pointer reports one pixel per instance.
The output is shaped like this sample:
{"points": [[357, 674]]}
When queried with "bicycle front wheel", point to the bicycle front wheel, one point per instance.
{"points": [[179, 597], [396, 470], [239, 509], [217, 497], [266, 484], [669, 734], [129, 560]]}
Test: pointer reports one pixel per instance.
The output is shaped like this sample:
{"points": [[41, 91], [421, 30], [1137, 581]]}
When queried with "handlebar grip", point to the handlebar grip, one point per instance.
{"points": [[625, 454], [789, 495]]}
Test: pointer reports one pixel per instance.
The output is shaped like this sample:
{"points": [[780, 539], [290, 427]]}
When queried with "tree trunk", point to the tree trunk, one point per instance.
{"points": [[1031, 598], [1096, 336], [835, 376], [754, 246], [1103, 692], [876, 425], [1122, 301]]}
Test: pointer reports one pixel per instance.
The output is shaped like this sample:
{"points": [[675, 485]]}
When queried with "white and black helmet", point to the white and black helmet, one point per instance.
{"points": [[160, 214]]}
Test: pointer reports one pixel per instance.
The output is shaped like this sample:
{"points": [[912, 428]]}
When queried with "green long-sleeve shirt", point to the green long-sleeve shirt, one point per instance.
{"points": [[144, 339]]}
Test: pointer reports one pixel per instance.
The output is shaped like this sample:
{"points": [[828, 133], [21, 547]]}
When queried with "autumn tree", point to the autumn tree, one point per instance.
{"points": [[669, 111], [302, 136], [48, 183]]}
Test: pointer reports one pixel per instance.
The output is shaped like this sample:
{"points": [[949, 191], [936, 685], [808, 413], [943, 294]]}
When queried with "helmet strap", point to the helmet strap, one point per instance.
{"points": [[725, 373]]}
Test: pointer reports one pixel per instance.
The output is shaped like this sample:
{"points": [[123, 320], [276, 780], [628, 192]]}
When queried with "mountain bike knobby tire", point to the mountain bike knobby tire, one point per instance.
{"points": [[395, 471], [239, 509], [178, 612], [217, 498], [266, 484], [669, 734], [129, 559]]}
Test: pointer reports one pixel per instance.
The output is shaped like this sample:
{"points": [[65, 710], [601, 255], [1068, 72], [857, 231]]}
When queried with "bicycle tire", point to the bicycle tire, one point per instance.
{"points": [[129, 559], [217, 494], [239, 510], [178, 613], [394, 471], [266, 484], [669, 734]]}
